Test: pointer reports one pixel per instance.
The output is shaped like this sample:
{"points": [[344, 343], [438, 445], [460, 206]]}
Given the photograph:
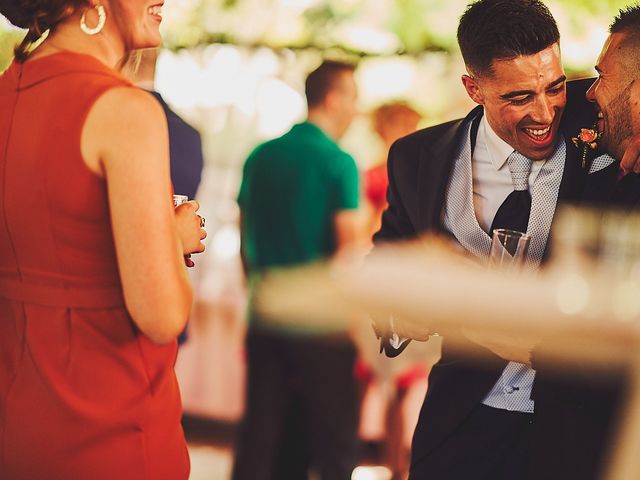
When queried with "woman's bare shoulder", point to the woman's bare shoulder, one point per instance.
{"points": [[127, 104], [124, 122]]}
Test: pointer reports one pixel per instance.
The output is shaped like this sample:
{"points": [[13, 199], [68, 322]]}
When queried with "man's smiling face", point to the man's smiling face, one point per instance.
{"points": [[523, 100], [611, 93]]}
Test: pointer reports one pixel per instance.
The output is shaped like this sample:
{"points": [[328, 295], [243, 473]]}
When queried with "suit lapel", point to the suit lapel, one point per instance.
{"points": [[436, 164], [574, 176], [578, 113]]}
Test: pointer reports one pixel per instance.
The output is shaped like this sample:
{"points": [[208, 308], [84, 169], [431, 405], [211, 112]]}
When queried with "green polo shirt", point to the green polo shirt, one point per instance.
{"points": [[292, 187]]}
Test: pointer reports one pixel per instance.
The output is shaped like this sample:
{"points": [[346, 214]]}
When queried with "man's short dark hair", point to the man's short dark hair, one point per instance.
{"points": [[502, 30], [628, 22], [323, 79]]}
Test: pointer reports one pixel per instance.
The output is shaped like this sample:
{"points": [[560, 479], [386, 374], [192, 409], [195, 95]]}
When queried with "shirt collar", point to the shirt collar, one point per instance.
{"points": [[498, 149], [313, 129]]}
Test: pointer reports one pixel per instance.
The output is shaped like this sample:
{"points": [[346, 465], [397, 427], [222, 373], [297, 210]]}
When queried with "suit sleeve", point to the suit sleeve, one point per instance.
{"points": [[395, 226], [395, 220]]}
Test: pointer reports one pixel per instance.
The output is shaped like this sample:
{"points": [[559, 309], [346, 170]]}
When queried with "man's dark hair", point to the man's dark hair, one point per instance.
{"points": [[504, 29], [323, 79], [628, 22]]}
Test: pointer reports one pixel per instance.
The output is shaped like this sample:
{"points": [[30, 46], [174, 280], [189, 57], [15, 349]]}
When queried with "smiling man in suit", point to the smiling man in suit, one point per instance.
{"points": [[508, 164], [616, 92]]}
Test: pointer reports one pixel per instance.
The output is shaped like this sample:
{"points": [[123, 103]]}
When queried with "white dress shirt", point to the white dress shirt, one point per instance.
{"points": [[492, 182]]}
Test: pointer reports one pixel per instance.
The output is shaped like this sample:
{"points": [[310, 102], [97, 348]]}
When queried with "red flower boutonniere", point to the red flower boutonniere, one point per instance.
{"points": [[586, 140]]}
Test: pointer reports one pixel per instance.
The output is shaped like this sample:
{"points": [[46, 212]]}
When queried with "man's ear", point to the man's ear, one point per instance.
{"points": [[473, 90], [332, 100]]}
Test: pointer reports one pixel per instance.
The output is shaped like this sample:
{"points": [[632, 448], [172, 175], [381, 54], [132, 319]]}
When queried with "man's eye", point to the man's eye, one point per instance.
{"points": [[519, 100], [556, 91]]}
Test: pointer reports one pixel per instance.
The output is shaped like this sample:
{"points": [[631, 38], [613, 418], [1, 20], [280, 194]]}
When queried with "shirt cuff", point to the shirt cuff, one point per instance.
{"points": [[395, 340]]}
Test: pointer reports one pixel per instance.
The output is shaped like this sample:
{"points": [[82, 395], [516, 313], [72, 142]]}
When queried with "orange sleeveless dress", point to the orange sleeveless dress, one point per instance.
{"points": [[83, 394]]}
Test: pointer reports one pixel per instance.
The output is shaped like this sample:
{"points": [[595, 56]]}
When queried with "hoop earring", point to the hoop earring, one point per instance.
{"points": [[102, 17]]}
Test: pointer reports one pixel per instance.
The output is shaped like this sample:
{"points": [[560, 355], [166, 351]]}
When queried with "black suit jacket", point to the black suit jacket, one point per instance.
{"points": [[185, 152], [185, 158], [419, 168]]}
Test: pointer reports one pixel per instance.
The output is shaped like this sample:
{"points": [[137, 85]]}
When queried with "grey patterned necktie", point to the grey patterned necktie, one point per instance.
{"points": [[514, 212]]}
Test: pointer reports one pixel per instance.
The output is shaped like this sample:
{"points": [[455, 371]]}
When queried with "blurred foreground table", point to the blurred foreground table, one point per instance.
{"points": [[574, 315]]}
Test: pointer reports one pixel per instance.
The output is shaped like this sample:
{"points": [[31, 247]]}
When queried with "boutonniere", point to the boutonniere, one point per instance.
{"points": [[586, 141]]}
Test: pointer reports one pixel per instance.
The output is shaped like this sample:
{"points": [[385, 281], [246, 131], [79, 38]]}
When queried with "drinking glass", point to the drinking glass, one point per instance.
{"points": [[179, 200], [508, 249]]}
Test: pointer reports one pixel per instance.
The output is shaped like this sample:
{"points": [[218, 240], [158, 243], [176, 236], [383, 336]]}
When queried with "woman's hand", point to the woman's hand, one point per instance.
{"points": [[190, 229]]}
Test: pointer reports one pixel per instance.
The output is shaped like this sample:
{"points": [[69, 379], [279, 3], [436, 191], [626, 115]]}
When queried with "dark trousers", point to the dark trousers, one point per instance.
{"points": [[301, 409], [491, 444], [561, 441]]}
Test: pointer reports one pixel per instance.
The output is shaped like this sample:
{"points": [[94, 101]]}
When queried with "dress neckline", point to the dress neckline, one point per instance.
{"points": [[64, 62]]}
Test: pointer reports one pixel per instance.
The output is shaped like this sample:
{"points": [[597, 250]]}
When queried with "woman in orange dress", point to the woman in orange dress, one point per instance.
{"points": [[93, 287]]}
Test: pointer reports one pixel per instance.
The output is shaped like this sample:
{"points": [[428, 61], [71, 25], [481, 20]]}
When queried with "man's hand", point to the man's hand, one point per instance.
{"points": [[631, 159], [412, 330]]}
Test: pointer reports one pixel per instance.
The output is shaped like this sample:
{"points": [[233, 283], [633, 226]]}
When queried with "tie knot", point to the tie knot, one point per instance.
{"points": [[520, 168]]}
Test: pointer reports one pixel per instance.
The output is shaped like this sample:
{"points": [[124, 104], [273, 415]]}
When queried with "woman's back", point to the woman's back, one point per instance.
{"points": [[55, 229], [82, 393]]}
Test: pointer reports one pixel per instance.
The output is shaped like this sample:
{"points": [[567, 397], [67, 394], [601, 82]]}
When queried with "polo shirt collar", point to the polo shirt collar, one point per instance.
{"points": [[312, 128]]}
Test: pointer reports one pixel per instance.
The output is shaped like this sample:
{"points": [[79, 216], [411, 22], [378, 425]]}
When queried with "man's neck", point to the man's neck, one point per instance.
{"points": [[323, 122], [498, 149]]}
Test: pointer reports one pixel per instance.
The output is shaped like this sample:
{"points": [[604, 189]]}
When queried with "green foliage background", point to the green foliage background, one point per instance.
{"points": [[419, 25], [8, 40]]}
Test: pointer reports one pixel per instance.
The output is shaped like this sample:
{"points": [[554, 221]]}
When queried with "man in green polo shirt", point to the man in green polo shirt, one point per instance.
{"points": [[298, 200]]}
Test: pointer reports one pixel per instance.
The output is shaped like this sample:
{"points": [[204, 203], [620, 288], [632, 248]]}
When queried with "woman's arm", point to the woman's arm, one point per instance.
{"points": [[125, 140]]}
